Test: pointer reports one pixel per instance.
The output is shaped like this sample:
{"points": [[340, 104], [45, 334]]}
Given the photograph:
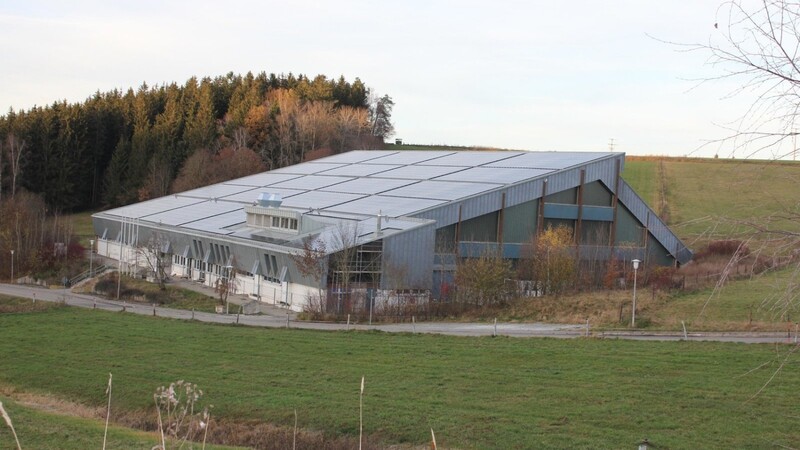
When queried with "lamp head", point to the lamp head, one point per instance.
{"points": [[635, 264]]}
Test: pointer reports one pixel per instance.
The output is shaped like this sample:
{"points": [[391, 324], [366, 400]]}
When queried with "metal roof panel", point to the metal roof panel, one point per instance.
{"points": [[390, 206], [318, 200], [307, 168], [472, 158], [550, 160], [418, 172], [154, 206], [368, 185], [441, 190], [410, 157], [356, 156], [217, 224], [359, 170], [191, 213], [261, 179], [494, 175], [311, 182]]}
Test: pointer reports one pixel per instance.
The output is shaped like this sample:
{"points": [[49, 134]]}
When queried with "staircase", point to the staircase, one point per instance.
{"points": [[87, 274]]}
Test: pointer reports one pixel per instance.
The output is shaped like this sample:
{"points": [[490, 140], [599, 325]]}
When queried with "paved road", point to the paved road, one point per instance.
{"points": [[275, 320]]}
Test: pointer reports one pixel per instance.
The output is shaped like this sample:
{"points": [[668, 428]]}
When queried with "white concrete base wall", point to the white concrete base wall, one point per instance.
{"points": [[291, 295], [180, 271], [133, 260]]}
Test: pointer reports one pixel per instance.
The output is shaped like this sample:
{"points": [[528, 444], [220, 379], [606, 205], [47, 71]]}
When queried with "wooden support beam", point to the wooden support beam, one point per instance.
{"points": [[540, 215], [500, 219], [458, 230], [614, 201], [646, 236], [579, 222]]}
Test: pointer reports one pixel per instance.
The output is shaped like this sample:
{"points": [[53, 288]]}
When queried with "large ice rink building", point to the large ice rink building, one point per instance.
{"points": [[387, 220]]}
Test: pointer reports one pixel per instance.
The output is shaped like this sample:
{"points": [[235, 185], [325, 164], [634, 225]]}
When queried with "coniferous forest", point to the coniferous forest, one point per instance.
{"points": [[120, 147]]}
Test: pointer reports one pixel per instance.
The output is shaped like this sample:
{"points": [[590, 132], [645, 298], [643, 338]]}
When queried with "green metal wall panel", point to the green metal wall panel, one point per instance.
{"points": [[446, 239], [478, 249], [519, 222], [629, 230], [657, 254], [561, 211], [596, 194], [480, 229], [595, 233], [569, 196]]}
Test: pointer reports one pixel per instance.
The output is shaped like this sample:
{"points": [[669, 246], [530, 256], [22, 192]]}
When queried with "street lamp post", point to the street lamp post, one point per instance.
{"points": [[12, 266], [633, 310], [91, 257]]}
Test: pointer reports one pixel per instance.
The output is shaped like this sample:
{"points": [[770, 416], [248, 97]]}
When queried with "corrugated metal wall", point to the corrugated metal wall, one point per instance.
{"points": [[657, 227], [603, 170], [245, 252], [411, 254], [519, 222]]}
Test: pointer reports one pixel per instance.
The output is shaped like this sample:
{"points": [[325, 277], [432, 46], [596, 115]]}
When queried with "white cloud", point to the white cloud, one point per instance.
{"points": [[550, 75]]}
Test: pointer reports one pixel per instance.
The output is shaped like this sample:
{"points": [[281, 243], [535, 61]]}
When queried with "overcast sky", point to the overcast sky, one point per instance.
{"points": [[535, 75]]}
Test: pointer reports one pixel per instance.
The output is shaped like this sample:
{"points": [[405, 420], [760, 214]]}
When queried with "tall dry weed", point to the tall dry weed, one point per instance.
{"points": [[7, 419]]}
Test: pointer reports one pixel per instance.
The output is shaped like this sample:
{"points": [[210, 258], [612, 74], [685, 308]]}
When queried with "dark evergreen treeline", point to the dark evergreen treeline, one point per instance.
{"points": [[119, 147]]}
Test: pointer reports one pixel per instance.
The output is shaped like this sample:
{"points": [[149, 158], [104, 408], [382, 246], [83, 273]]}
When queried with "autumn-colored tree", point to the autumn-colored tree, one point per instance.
{"points": [[196, 172], [613, 273], [204, 168], [484, 280], [121, 146], [552, 261]]}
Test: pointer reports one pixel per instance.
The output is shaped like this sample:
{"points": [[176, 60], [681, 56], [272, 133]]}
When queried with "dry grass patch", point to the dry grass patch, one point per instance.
{"points": [[52, 404], [15, 305], [604, 308]]}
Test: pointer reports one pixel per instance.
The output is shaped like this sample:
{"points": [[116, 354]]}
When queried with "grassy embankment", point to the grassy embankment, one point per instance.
{"points": [[68, 429], [142, 291], [474, 392], [709, 198], [82, 227]]}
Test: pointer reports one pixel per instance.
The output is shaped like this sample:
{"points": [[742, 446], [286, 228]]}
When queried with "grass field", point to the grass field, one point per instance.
{"points": [[642, 176], [756, 304], [708, 197], [765, 302], [474, 392], [82, 227], [38, 429], [133, 290]]}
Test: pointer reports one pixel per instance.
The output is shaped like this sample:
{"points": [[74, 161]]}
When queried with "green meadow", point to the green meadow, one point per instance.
{"points": [[474, 392]]}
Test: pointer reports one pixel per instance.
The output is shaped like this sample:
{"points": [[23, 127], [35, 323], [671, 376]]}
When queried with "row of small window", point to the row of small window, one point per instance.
{"points": [[200, 265], [276, 222]]}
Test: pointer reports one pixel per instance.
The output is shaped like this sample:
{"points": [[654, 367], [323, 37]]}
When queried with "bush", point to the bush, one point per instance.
{"points": [[662, 277], [106, 285], [726, 247]]}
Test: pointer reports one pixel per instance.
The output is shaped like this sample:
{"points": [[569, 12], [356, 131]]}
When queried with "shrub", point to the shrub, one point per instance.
{"points": [[661, 277], [726, 247]]}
